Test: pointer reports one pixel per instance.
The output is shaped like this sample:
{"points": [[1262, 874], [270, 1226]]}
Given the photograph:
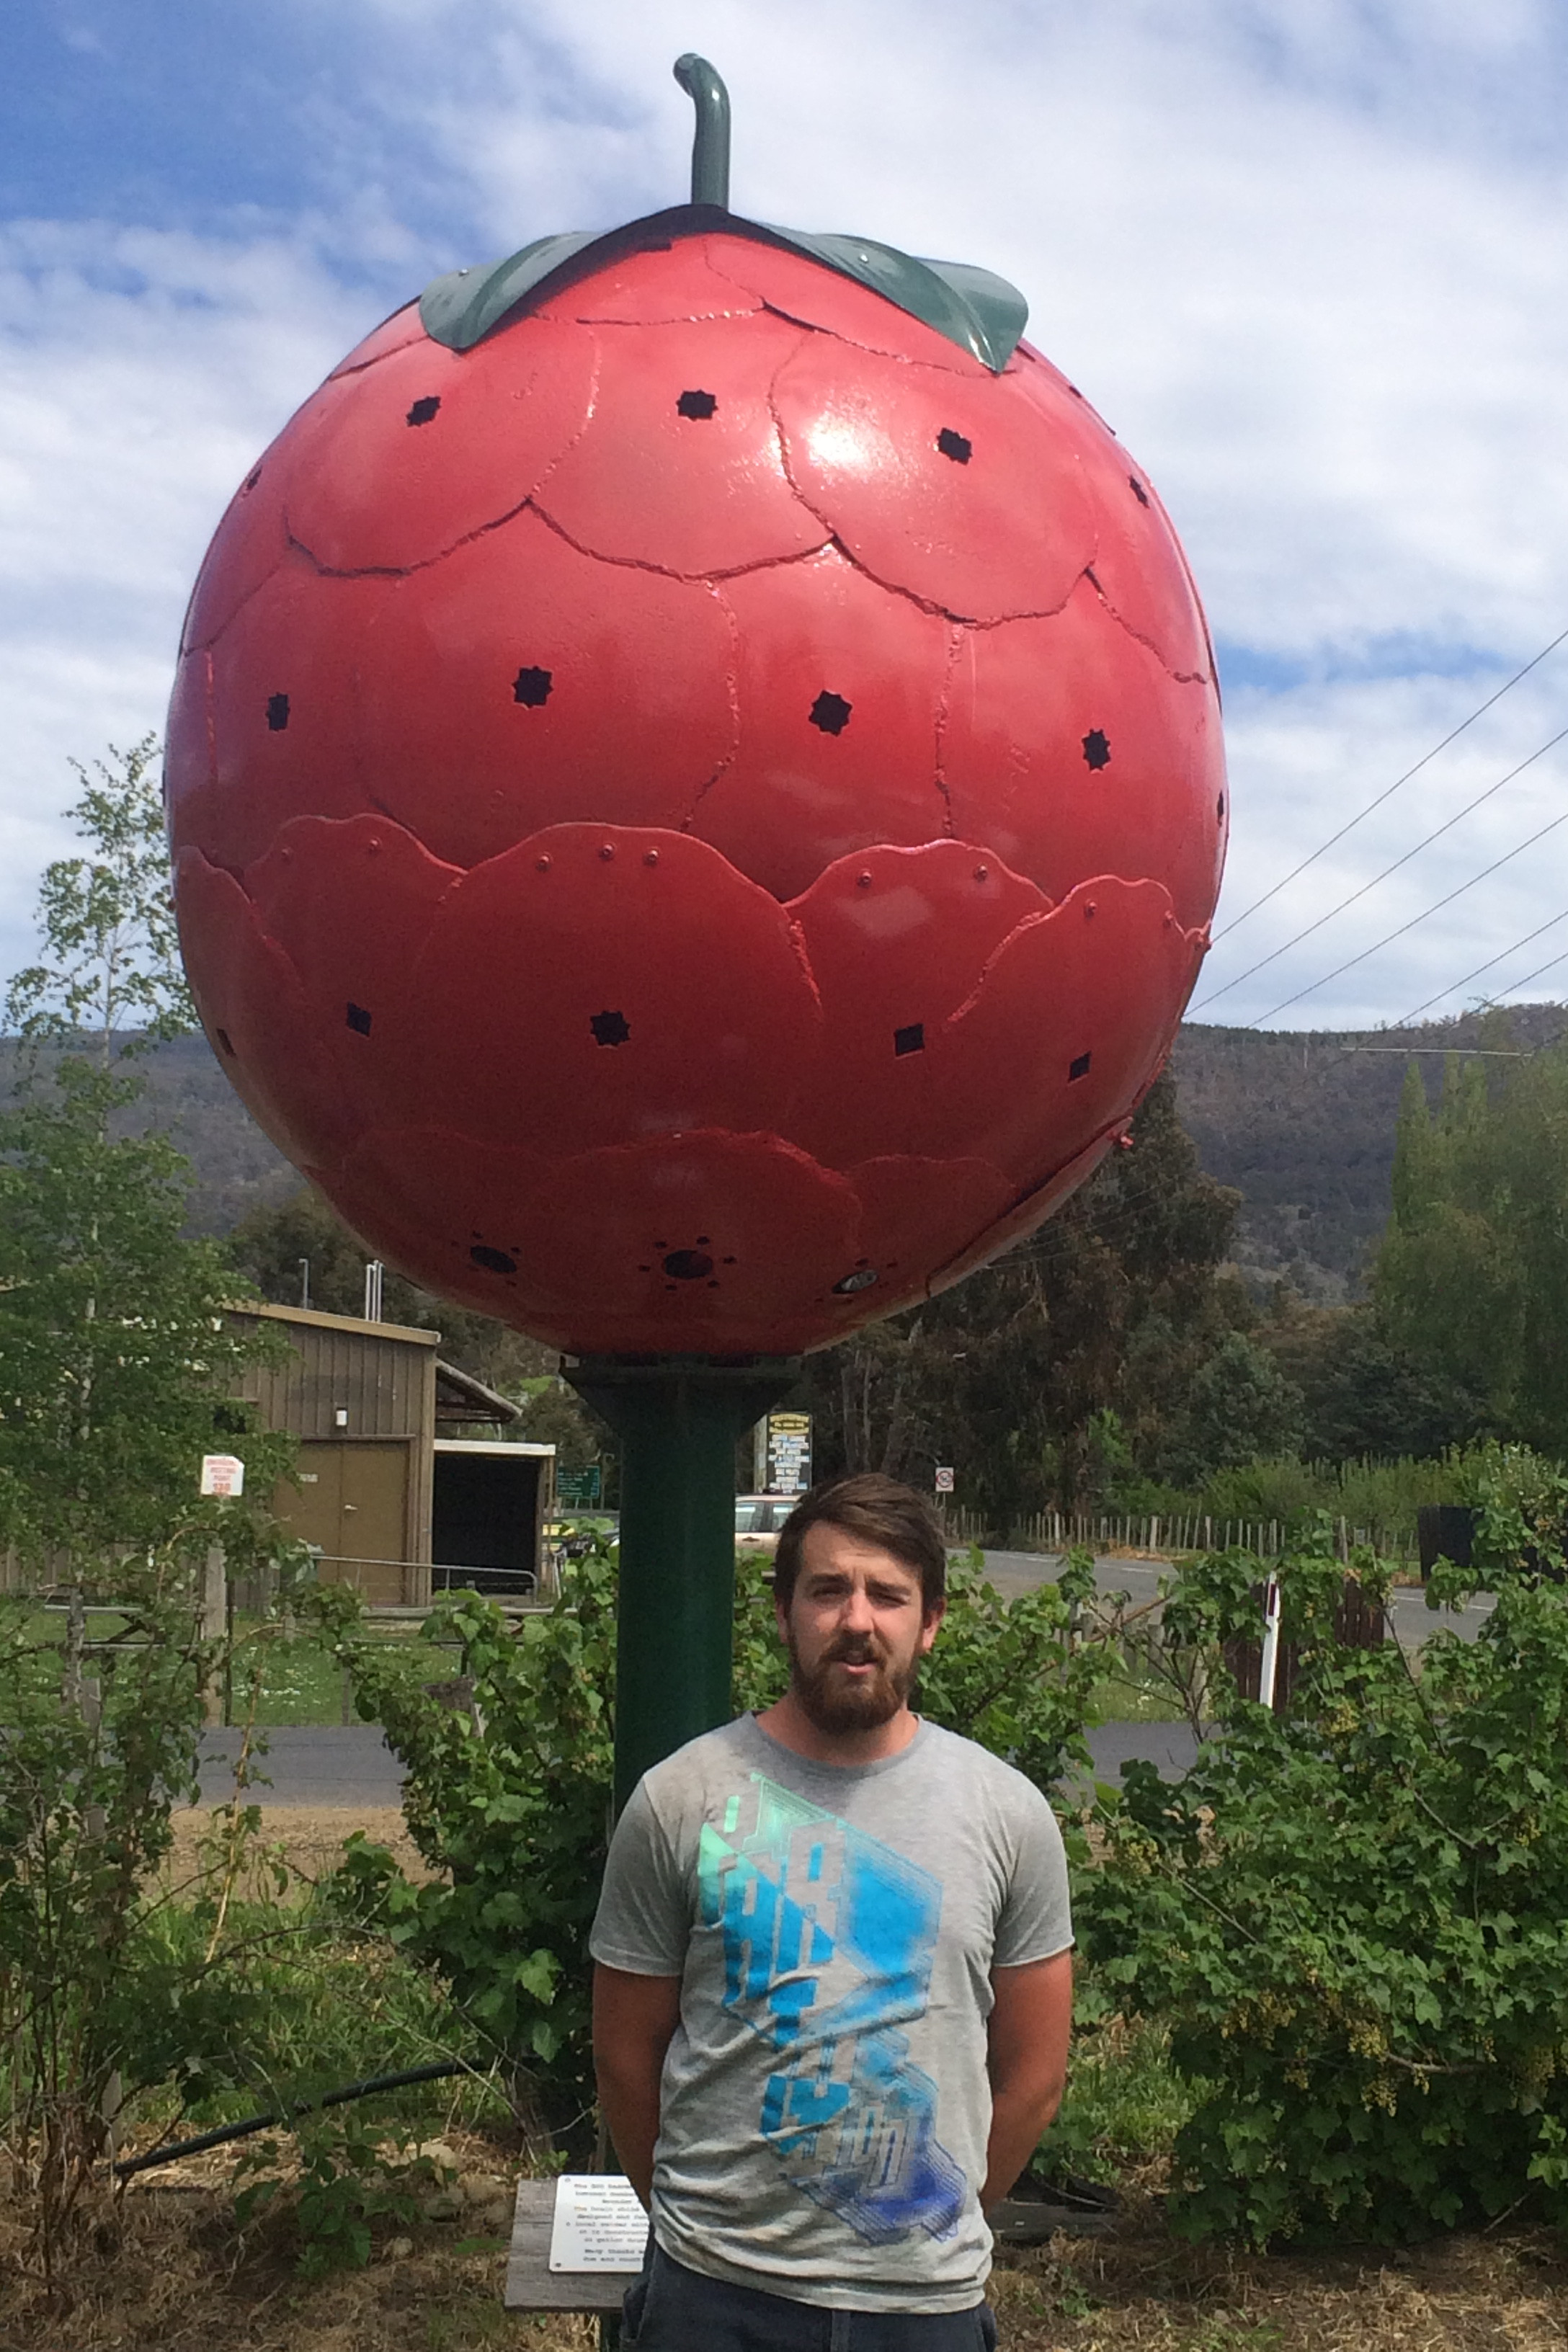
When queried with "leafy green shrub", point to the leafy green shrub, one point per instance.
{"points": [[511, 1795], [1350, 1915], [1125, 2104], [350, 2177]]}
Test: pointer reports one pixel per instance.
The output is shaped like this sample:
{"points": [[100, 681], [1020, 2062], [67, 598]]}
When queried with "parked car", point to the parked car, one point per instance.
{"points": [[758, 1518]]}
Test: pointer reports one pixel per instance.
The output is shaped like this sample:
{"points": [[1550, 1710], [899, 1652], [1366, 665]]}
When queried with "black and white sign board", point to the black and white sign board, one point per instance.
{"points": [[598, 2224], [577, 2242]]}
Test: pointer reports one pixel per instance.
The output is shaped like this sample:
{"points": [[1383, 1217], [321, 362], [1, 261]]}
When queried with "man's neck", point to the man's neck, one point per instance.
{"points": [[787, 1722]]}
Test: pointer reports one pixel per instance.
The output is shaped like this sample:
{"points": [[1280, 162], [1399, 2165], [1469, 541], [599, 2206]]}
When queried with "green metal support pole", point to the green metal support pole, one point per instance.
{"points": [[677, 1418]]}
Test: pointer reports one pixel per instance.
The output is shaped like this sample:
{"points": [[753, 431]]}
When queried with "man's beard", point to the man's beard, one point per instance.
{"points": [[837, 1707]]}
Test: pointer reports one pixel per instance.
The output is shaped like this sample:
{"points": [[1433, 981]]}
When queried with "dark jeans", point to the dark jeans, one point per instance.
{"points": [[672, 2309]]}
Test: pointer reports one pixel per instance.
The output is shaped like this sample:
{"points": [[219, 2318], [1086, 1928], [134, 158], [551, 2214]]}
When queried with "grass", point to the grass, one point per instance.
{"points": [[1129, 1697], [301, 1683], [309, 2002]]}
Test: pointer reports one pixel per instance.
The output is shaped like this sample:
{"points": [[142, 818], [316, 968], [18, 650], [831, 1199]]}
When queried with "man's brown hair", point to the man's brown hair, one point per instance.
{"points": [[879, 1511]]}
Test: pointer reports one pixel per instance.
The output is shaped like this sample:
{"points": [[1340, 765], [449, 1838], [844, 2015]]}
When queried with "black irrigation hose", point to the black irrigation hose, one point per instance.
{"points": [[226, 2132]]}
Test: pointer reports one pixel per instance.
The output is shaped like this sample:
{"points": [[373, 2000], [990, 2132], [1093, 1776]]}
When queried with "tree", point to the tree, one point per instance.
{"points": [[118, 1366], [1109, 1308], [1239, 1406], [116, 1359], [111, 972], [1361, 1394], [1472, 1277]]}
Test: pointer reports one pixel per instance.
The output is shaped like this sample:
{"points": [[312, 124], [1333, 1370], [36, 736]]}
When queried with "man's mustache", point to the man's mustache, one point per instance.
{"points": [[853, 1650]]}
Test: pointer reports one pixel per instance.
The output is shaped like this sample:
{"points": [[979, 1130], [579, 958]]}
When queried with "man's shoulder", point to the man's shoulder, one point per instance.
{"points": [[713, 1755], [950, 1751], [982, 1773]]}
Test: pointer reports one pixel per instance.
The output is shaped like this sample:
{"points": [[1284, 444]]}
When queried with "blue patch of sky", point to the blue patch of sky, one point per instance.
{"points": [[1253, 668], [172, 117], [198, 116]]}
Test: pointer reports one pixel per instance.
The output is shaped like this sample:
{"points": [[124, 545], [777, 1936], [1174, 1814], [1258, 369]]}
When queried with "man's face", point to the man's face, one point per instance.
{"points": [[856, 1630]]}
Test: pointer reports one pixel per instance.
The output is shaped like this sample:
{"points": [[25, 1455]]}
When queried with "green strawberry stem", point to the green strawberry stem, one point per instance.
{"points": [[711, 146]]}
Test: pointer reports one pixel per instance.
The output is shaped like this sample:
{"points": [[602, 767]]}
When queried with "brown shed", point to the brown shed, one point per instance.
{"points": [[361, 1398]]}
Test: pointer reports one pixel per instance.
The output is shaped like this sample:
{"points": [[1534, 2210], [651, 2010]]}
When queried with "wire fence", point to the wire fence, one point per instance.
{"points": [[1167, 1536]]}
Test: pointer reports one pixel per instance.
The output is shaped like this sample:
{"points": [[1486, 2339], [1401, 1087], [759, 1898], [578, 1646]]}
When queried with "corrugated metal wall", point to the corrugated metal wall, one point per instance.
{"points": [[384, 1382]]}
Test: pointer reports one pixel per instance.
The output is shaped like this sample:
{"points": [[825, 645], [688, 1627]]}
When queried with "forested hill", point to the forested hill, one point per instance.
{"points": [[1301, 1125]]}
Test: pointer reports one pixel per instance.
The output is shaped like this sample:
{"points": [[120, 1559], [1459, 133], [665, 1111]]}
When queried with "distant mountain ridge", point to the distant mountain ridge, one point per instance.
{"points": [[1302, 1125]]}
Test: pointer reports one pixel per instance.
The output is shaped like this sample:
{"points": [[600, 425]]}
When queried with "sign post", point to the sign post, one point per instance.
{"points": [[677, 1418]]}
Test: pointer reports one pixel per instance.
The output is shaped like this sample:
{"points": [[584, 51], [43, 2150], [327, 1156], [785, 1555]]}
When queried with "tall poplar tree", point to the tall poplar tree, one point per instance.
{"points": [[1472, 1274], [116, 1359]]}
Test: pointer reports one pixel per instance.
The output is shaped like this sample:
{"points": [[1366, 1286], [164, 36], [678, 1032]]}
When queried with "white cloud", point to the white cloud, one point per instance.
{"points": [[140, 375]]}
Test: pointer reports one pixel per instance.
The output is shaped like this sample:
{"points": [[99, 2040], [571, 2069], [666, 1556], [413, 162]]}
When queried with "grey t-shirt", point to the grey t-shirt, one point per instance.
{"points": [[824, 2108]]}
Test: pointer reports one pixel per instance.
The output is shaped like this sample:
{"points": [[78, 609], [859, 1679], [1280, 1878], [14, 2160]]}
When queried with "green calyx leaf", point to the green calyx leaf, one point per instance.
{"points": [[979, 313]]}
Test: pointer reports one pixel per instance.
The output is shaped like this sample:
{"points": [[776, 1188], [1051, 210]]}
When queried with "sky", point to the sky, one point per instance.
{"points": [[1306, 256]]}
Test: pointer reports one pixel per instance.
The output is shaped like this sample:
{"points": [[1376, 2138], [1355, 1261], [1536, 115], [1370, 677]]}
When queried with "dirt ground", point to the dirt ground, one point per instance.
{"points": [[183, 2278], [310, 1837]]}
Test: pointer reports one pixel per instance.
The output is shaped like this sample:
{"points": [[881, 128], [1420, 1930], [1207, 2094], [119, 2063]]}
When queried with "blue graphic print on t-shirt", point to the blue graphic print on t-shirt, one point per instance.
{"points": [[828, 1939]]}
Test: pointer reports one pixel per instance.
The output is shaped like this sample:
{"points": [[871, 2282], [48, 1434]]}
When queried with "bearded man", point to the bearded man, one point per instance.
{"points": [[833, 1981]]}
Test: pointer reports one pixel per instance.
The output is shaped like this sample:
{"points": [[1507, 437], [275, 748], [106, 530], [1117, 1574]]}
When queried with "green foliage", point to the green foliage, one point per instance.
{"points": [[110, 968], [1348, 1915], [1360, 1395], [116, 1359], [98, 1747], [1112, 1307], [1473, 1274], [117, 1364], [511, 1794], [1123, 2103], [348, 2178], [1238, 1405]]}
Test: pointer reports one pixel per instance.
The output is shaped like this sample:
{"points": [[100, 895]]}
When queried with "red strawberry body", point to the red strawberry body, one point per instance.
{"points": [[696, 817]]}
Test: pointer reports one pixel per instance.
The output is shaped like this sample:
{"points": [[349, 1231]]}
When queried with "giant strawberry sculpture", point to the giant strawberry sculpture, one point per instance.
{"points": [[696, 779]]}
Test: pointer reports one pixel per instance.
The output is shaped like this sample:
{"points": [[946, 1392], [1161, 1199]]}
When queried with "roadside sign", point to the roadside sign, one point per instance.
{"points": [[943, 1479], [580, 1490], [788, 1453], [222, 1474]]}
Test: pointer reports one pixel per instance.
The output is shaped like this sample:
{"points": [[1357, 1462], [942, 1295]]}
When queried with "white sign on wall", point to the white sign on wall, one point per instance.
{"points": [[222, 1474]]}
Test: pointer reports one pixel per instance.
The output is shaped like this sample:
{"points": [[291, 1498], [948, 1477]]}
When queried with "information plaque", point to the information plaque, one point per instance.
{"points": [[598, 2223]]}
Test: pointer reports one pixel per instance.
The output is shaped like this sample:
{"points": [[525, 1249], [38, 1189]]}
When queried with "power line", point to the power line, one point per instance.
{"points": [[1351, 962], [1537, 972], [1446, 827], [1389, 790], [1501, 957]]}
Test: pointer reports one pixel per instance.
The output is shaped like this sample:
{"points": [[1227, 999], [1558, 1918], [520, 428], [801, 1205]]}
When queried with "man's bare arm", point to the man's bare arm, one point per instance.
{"points": [[634, 2020], [1027, 2059]]}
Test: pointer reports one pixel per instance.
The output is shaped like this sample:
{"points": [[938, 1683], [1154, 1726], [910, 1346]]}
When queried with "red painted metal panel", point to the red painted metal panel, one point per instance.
{"points": [[1071, 750], [681, 465], [955, 489], [522, 879], [837, 697]]}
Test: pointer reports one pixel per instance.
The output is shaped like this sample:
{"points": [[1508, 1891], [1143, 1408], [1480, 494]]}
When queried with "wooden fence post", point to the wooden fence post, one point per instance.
{"points": [[213, 1626]]}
